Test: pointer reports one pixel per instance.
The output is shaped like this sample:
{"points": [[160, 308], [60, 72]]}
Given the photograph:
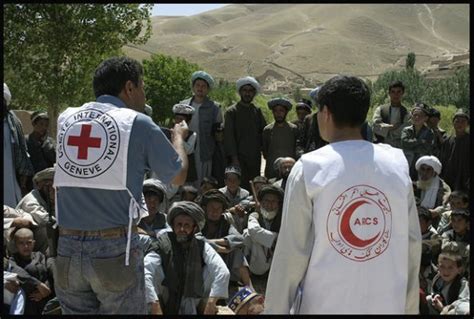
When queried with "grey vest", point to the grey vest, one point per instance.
{"points": [[207, 115]]}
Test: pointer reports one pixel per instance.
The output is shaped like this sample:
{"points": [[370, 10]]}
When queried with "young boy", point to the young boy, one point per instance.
{"points": [[456, 200], [460, 228], [38, 288], [449, 285]]}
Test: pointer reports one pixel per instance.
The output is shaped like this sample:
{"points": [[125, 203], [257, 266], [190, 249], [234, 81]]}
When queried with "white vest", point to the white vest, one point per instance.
{"points": [[359, 262], [92, 151]]}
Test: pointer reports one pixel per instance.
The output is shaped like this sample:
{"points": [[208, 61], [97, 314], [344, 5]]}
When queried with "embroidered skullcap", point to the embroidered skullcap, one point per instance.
{"points": [[233, 169], [270, 189], [148, 110], [461, 113], [190, 208], [242, 297], [423, 107], [39, 115], [314, 93], [182, 108], [156, 186], [460, 211], [248, 80], [203, 76], [431, 161], [6, 93], [46, 174], [280, 101], [214, 194]]}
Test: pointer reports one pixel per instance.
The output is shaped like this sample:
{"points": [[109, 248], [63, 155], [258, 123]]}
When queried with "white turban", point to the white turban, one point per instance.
{"points": [[431, 161], [6, 93], [248, 80]]}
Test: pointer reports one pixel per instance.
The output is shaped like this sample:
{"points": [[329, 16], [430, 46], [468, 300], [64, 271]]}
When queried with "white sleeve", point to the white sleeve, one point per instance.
{"points": [[154, 275], [217, 271], [259, 234], [414, 256], [294, 245], [190, 143]]}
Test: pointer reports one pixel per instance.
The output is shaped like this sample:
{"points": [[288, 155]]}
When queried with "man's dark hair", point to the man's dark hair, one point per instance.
{"points": [[396, 84], [434, 113], [459, 194], [112, 74], [347, 98]]}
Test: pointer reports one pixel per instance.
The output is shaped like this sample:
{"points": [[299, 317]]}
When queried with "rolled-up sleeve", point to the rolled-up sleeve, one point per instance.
{"points": [[294, 245]]}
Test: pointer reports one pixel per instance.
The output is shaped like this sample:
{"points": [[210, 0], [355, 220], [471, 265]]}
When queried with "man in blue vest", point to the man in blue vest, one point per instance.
{"points": [[104, 148]]}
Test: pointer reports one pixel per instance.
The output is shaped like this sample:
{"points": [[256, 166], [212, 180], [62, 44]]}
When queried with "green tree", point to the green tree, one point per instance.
{"points": [[167, 81], [224, 93], [410, 61], [51, 50]]}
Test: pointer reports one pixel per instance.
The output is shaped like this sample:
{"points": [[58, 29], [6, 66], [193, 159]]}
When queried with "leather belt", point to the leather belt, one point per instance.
{"points": [[115, 232]]}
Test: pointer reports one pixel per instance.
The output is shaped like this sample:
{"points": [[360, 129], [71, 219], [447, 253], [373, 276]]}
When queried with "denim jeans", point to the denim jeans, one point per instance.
{"points": [[91, 276]]}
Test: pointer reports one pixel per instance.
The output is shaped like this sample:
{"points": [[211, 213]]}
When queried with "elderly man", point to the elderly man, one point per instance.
{"points": [[278, 138], [390, 119], [225, 238], [284, 165], [17, 167], [261, 234], [41, 147], [454, 153], [244, 123], [207, 117], [39, 203], [183, 273], [430, 189]]}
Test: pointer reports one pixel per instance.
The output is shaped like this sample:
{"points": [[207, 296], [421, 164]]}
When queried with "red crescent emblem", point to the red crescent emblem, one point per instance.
{"points": [[346, 230]]}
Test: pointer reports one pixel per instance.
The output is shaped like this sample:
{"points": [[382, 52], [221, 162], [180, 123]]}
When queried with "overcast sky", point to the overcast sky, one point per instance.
{"points": [[183, 9]]}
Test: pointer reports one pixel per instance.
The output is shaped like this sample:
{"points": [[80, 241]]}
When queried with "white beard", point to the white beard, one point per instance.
{"points": [[268, 214], [424, 185]]}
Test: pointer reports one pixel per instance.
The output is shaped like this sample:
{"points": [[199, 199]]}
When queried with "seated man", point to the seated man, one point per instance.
{"points": [[432, 191], [183, 273], [284, 165], [155, 193], [260, 236], [39, 203], [38, 285], [225, 239]]}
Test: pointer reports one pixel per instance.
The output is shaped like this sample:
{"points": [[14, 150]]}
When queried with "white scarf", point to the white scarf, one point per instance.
{"points": [[429, 195]]}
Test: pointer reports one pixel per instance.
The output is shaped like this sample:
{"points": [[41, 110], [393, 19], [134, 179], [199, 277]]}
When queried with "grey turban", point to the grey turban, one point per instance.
{"points": [[248, 80], [46, 174], [190, 208], [280, 101], [203, 76]]}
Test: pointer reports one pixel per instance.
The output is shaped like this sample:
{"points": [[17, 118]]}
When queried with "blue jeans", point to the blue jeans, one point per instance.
{"points": [[91, 276]]}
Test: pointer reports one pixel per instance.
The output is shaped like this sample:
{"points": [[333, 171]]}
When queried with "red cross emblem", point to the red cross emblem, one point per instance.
{"points": [[84, 141]]}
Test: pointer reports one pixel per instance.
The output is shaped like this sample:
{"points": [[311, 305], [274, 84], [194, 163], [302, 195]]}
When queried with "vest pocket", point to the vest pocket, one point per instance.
{"points": [[112, 273], [62, 271]]}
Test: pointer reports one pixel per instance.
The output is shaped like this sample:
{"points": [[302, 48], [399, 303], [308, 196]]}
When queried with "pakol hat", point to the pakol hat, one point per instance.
{"points": [[184, 109], [214, 194], [242, 297], [423, 107], [6, 93], [46, 174], [431, 161], [203, 76], [248, 80], [190, 208], [280, 101], [154, 185], [270, 189], [304, 105]]}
